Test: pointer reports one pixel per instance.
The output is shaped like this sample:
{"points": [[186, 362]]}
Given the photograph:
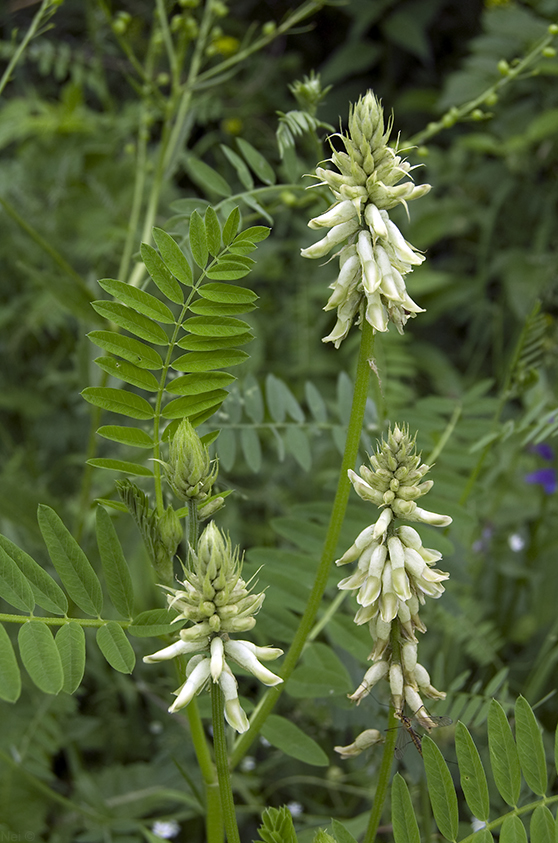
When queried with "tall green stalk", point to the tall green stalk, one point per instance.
{"points": [[384, 775], [328, 553], [222, 764]]}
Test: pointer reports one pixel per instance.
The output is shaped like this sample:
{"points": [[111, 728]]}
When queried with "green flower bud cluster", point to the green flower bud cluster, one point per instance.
{"points": [[373, 255], [189, 472], [395, 572], [215, 598]]}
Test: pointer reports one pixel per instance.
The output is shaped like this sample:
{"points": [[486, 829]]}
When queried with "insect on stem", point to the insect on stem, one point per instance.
{"points": [[407, 722]]}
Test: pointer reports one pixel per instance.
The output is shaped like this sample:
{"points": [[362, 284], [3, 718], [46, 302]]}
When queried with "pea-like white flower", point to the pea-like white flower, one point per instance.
{"points": [[395, 572], [375, 258], [365, 740], [216, 600]]}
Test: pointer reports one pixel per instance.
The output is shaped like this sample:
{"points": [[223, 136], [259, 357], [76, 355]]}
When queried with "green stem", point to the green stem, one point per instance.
{"points": [[222, 764], [214, 812], [328, 554], [384, 776], [45, 246], [490, 95], [213, 816], [27, 38]]}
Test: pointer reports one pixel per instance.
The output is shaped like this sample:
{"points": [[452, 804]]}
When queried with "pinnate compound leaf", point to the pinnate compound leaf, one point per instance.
{"points": [[40, 656], [530, 747], [14, 588], [484, 835], [198, 240], [251, 448], [404, 821], [48, 594], [473, 777], [224, 270], [298, 445], [198, 343], [193, 405], [71, 563], [440, 789], [70, 640], [115, 647], [138, 300], [206, 177], [153, 622], [513, 831], [504, 757], [254, 234], [231, 226], [227, 294], [199, 361], [132, 321], [316, 403], [134, 351], [128, 373], [342, 835], [212, 231], [10, 678], [212, 308], [242, 170], [174, 258], [121, 465], [542, 828], [275, 397], [161, 275], [227, 448], [131, 436], [198, 383], [287, 737], [256, 162], [119, 401], [254, 205], [253, 399], [211, 326], [115, 568]]}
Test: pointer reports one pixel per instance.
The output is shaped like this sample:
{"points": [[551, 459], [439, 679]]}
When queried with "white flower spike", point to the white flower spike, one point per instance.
{"points": [[393, 575], [372, 286], [217, 601]]}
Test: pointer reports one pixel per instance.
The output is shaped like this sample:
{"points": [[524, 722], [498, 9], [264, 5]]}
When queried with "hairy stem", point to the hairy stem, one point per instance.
{"points": [[328, 554], [222, 764]]}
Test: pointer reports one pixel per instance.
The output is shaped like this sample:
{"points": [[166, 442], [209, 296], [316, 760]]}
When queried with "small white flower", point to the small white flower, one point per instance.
{"points": [[179, 648], [194, 683], [234, 713], [371, 677], [247, 659], [365, 740], [217, 657]]}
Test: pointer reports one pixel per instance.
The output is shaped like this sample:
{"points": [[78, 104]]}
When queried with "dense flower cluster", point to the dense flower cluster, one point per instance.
{"points": [[373, 255], [394, 576], [215, 598]]}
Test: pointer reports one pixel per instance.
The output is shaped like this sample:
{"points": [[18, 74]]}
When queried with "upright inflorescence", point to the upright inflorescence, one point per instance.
{"points": [[395, 574], [373, 255], [217, 602]]}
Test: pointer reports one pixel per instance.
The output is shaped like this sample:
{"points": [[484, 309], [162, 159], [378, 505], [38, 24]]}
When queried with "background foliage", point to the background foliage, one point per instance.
{"points": [[475, 375]]}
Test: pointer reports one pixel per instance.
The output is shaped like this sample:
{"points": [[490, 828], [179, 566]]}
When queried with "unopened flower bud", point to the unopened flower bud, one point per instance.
{"points": [[189, 471]]}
